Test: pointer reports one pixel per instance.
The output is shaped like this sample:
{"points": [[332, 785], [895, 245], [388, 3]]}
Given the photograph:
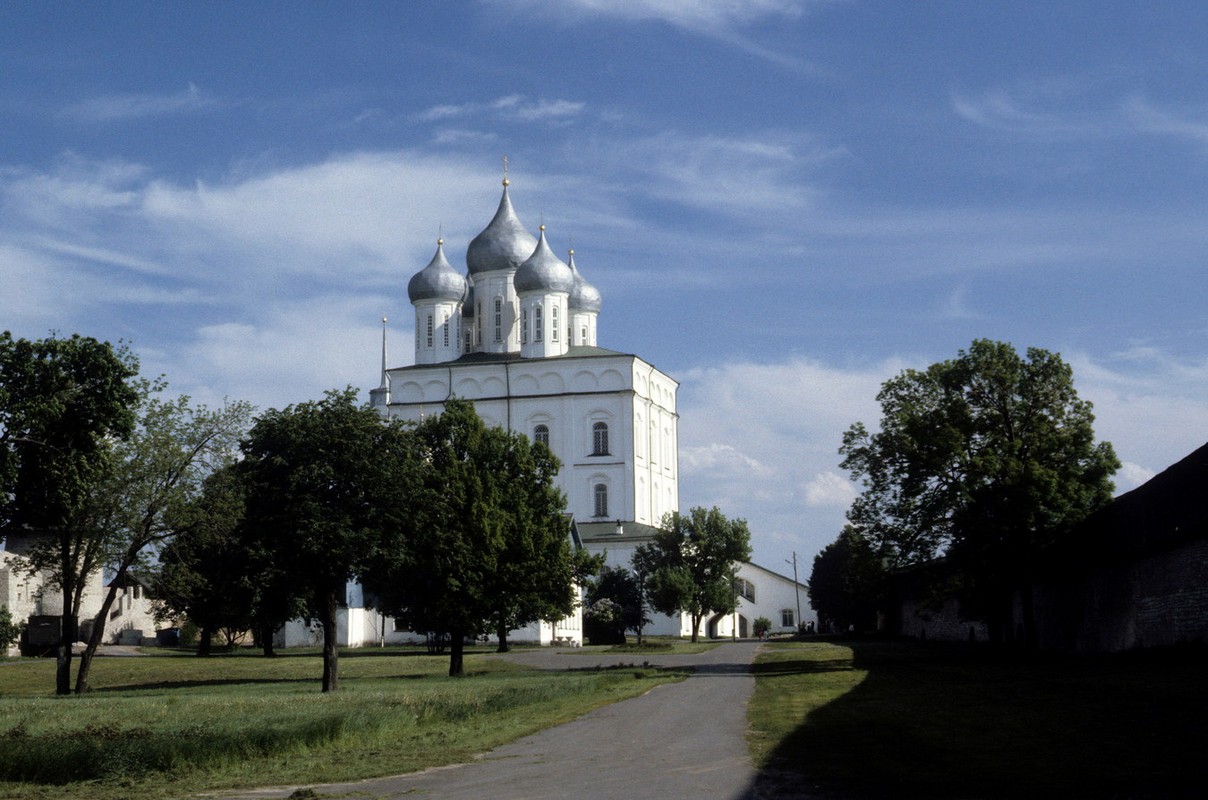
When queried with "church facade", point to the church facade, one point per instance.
{"points": [[517, 335]]}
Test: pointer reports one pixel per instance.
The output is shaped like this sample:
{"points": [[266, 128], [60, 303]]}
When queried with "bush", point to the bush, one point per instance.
{"points": [[762, 626]]}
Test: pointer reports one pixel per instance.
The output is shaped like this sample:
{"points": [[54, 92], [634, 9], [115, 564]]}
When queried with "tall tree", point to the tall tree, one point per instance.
{"points": [[490, 547], [64, 403], [219, 574], [987, 457], [846, 582], [157, 473], [329, 487], [696, 559]]}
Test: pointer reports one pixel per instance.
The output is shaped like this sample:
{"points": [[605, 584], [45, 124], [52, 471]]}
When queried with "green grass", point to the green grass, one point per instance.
{"points": [[660, 645], [878, 719], [167, 725]]}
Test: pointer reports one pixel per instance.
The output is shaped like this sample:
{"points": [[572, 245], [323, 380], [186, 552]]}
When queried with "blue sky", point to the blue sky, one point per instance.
{"points": [[782, 202]]}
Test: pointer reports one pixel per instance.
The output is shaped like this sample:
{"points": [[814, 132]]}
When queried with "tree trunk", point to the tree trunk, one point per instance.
{"points": [[457, 646], [94, 639], [266, 641], [331, 654], [205, 640], [1031, 641], [67, 637], [503, 636], [695, 624]]}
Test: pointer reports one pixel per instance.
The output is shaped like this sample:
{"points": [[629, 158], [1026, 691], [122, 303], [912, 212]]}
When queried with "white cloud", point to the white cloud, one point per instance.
{"points": [[718, 458], [829, 489], [121, 107], [516, 107]]}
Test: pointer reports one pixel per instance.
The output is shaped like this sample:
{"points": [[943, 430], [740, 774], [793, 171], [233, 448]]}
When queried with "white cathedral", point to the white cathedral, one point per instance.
{"points": [[516, 335]]}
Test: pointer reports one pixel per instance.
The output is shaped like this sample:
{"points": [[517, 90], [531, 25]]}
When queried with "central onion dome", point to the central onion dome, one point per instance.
{"points": [[437, 281], [503, 244], [543, 271], [583, 296]]}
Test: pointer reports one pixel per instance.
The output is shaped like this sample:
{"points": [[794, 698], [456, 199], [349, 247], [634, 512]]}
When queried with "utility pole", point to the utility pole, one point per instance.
{"points": [[796, 587]]}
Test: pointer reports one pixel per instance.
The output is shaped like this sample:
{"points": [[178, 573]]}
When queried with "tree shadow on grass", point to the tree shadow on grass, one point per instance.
{"points": [[941, 721]]}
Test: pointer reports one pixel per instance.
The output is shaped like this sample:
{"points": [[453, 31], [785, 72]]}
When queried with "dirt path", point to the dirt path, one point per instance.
{"points": [[676, 741]]}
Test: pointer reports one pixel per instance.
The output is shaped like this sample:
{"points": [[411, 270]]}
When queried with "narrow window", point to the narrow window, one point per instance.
{"points": [[601, 495], [429, 330], [445, 329], [584, 341], [541, 434], [538, 327], [553, 324], [499, 319], [786, 618], [524, 326], [599, 439]]}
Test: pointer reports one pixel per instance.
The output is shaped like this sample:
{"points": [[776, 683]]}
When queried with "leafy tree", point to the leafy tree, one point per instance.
{"points": [[614, 605], [64, 404], [846, 583], [148, 495], [987, 457], [218, 574], [696, 558], [10, 630], [329, 488], [489, 546]]}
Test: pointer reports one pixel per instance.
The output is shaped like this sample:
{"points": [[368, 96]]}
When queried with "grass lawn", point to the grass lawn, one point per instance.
{"points": [[901, 719], [170, 725]]}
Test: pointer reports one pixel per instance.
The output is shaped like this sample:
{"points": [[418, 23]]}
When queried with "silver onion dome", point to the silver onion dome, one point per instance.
{"points": [[544, 271], [437, 281], [503, 244], [583, 296]]}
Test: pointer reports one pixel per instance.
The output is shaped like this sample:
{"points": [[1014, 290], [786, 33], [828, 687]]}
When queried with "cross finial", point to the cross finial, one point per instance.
{"points": [[505, 171]]}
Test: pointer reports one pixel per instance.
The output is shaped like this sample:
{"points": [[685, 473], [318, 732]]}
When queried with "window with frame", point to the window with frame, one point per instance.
{"points": [[429, 330], [541, 434], [745, 589], [499, 319], [599, 439], [600, 493], [553, 324], [524, 326], [584, 335], [538, 325], [445, 329], [787, 618]]}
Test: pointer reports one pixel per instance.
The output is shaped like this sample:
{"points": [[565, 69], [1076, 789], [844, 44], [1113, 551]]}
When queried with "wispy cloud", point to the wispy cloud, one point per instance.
{"points": [[514, 107], [722, 20], [123, 107], [1155, 121]]}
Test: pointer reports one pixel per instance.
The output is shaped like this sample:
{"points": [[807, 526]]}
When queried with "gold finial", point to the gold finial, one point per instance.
{"points": [[543, 228], [440, 235], [505, 171], [383, 319]]}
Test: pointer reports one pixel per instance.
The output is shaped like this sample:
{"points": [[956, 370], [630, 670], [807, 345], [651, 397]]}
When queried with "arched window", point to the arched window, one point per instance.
{"points": [[538, 326], [499, 319], [599, 439], [429, 330], [601, 496], [541, 434], [524, 326], [445, 326], [553, 324]]}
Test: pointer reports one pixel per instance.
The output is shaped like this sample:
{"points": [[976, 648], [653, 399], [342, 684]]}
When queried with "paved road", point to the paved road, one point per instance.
{"points": [[682, 740]]}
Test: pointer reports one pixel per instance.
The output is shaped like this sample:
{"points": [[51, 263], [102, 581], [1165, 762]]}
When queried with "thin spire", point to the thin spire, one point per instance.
{"points": [[505, 171], [385, 380]]}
